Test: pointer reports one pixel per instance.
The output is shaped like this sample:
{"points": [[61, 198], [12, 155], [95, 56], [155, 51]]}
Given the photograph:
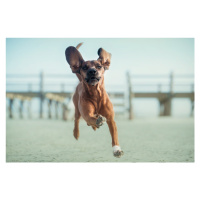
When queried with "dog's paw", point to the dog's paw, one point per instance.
{"points": [[117, 152], [100, 121]]}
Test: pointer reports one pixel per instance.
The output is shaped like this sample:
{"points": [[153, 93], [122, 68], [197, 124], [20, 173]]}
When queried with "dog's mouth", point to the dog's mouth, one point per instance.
{"points": [[92, 80]]}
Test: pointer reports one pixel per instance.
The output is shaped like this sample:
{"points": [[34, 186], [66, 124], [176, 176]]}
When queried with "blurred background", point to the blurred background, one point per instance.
{"points": [[37, 71], [147, 79]]}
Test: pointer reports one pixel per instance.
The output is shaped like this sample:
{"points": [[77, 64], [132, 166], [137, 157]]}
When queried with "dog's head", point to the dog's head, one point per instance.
{"points": [[91, 71]]}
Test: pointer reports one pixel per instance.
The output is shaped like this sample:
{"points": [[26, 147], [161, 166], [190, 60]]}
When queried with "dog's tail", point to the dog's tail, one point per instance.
{"points": [[80, 44]]}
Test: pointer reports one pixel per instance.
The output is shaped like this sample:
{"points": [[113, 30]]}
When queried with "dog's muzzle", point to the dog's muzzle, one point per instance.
{"points": [[92, 77]]}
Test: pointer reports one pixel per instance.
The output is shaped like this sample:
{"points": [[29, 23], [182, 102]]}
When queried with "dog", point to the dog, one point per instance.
{"points": [[90, 99]]}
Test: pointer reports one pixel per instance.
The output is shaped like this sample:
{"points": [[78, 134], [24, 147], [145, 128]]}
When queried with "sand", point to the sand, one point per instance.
{"points": [[142, 140]]}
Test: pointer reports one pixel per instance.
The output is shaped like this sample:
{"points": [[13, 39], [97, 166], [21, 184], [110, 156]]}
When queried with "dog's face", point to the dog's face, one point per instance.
{"points": [[91, 71]]}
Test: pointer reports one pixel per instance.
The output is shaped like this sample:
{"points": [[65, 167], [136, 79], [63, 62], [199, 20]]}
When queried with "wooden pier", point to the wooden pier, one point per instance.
{"points": [[58, 99], [63, 97], [164, 98]]}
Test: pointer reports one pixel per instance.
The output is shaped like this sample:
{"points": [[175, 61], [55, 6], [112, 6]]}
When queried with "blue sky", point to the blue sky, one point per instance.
{"points": [[150, 56]]}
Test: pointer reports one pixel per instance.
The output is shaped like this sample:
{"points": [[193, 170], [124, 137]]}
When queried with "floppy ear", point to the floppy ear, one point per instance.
{"points": [[104, 58], [74, 59]]}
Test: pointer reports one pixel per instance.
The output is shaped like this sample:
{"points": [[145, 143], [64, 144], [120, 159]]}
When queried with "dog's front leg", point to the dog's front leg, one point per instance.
{"points": [[108, 112], [113, 131], [87, 111], [117, 152]]}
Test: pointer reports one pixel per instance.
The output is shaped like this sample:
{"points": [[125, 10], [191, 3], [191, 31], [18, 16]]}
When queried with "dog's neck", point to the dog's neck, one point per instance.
{"points": [[96, 90]]}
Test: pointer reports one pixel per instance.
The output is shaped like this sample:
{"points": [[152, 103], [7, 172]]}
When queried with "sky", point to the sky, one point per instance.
{"points": [[150, 56], [143, 56]]}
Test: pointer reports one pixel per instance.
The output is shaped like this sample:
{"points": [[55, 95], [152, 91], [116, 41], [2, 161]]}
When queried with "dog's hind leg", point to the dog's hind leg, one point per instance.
{"points": [[76, 123]]}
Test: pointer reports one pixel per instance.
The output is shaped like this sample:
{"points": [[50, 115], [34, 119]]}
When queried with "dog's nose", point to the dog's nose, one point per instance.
{"points": [[92, 72]]}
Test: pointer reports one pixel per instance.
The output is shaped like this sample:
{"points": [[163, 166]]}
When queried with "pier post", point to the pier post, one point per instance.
{"points": [[192, 107], [49, 108], [29, 109], [161, 111], [29, 101], [56, 109], [130, 108], [65, 112], [41, 93], [11, 108], [21, 108], [167, 107], [192, 101], [168, 102], [160, 102]]}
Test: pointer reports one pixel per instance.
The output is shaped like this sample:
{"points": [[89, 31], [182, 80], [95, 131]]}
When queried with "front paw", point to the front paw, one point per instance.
{"points": [[100, 120], [117, 152]]}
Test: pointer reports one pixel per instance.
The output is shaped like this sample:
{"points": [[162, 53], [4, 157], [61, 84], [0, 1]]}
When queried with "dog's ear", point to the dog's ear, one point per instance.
{"points": [[104, 58], [74, 59]]}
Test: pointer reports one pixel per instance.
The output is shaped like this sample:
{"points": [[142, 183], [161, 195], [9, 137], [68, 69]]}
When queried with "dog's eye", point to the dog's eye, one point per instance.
{"points": [[85, 68], [99, 67]]}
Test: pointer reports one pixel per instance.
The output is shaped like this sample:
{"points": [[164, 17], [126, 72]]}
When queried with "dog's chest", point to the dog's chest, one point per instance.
{"points": [[97, 102]]}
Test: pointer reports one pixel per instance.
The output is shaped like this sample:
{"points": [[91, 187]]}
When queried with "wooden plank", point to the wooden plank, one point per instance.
{"points": [[162, 95], [63, 94], [119, 112], [118, 104], [149, 95], [36, 94], [116, 94], [183, 95], [25, 94], [112, 95]]}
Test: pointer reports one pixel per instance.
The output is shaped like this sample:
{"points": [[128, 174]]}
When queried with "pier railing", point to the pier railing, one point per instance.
{"points": [[54, 89], [165, 89], [57, 90]]}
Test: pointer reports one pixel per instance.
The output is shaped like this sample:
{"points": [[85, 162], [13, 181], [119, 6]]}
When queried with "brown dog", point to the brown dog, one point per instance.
{"points": [[90, 99]]}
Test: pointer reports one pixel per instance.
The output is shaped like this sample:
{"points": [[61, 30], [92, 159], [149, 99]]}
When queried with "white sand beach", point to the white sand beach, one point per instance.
{"points": [[142, 140]]}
